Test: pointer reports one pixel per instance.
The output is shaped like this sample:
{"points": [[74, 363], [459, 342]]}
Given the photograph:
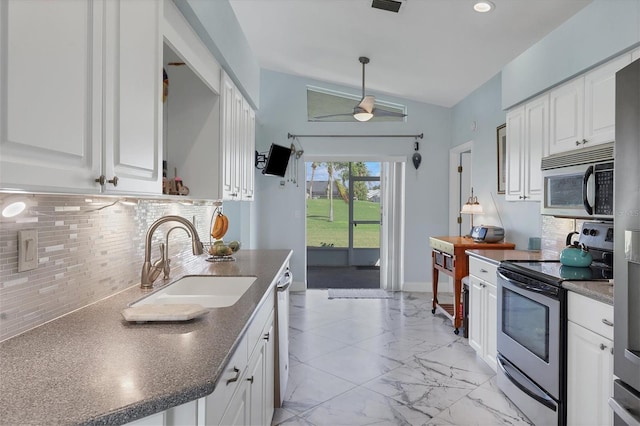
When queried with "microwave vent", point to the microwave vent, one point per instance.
{"points": [[596, 154]]}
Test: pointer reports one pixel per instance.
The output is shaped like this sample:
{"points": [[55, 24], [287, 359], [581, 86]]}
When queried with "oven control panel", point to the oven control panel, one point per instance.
{"points": [[597, 235]]}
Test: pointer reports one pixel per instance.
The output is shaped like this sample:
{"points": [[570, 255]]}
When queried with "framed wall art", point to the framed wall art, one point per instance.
{"points": [[501, 135]]}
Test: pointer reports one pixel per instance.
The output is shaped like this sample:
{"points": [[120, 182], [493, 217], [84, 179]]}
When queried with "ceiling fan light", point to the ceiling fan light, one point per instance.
{"points": [[483, 6], [362, 116]]}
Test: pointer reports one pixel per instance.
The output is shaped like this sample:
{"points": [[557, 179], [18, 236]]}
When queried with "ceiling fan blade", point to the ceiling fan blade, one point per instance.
{"points": [[367, 103], [332, 115], [384, 113]]}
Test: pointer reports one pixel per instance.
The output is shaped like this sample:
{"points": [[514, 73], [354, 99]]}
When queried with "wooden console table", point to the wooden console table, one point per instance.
{"points": [[448, 255]]}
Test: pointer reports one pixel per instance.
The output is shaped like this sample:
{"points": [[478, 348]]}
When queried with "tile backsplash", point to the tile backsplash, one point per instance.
{"points": [[554, 233], [89, 248]]}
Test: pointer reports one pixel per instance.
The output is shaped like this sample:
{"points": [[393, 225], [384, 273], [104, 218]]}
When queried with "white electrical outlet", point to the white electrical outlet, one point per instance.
{"points": [[27, 250]]}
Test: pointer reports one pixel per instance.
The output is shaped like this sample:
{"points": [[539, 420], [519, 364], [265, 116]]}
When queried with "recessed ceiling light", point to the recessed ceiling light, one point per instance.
{"points": [[483, 6]]}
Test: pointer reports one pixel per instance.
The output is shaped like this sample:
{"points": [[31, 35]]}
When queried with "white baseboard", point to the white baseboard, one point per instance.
{"points": [[298, 286], [426, 287]]}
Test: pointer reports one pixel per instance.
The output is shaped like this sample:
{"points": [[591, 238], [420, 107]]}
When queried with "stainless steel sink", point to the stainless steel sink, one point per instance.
{"points": [[208, 291]]}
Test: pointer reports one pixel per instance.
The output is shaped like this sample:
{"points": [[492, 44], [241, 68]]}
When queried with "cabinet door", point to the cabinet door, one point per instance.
{"points": [[566, 106], [269, 375], [589, 377], [237, 144], [476, 314], [600, 101], [491, 326], [515, 154], [133, 81], [256, 378], [536, 137], [226, 135], [51, 92], [247, 159], [238, 411]]}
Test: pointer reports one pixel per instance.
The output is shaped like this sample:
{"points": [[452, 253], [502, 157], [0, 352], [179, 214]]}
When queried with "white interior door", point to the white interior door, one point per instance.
{"points": [[459, 187]]}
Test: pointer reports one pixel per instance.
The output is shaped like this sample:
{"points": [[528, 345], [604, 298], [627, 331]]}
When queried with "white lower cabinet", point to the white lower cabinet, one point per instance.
{"points": [[245, 393], [589, 361], [483, 314]]}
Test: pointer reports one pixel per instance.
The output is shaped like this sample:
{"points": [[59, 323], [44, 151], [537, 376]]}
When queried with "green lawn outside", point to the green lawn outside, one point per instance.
{"points": [[320, 230]]}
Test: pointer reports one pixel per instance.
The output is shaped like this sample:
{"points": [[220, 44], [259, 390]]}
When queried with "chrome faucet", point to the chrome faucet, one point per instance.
{"points": [[151, 272]]}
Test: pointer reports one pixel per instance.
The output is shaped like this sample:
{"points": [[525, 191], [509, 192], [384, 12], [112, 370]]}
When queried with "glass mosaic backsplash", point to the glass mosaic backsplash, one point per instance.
{"points": [[89, 248]]}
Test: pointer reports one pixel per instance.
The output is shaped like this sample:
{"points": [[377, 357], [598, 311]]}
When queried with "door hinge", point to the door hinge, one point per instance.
{"points": [[459, 169], [459, 219]]}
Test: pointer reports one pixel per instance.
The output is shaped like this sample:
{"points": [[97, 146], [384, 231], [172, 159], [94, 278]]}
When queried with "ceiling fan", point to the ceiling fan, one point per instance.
{"points": [[365, 110]]}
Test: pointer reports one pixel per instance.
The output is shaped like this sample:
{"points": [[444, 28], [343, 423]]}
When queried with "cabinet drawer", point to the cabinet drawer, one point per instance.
{"points": [[591, 314], [229, 381], [484, 270]]}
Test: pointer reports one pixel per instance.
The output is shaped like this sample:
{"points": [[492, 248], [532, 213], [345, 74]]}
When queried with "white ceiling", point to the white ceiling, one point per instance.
{"points": [[434, 51]]}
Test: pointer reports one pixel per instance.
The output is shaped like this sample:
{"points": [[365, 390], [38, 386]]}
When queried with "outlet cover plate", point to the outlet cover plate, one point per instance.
{"points": [[27, 250]]}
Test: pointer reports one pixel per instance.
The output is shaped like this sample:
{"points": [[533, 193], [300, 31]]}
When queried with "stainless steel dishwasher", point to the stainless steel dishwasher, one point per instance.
{"points": [[282, 320]]}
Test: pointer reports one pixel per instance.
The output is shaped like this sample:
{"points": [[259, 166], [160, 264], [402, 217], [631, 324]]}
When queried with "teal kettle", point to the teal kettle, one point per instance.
{"points": [[575, 254]]}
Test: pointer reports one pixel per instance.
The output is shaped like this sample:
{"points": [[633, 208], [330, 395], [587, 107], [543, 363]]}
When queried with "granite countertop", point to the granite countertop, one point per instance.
{"points": [[598, 290], [93, 367]]}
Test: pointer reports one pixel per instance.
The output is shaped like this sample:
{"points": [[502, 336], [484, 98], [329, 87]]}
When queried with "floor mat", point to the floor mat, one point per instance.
{"points": [[358, 293]]}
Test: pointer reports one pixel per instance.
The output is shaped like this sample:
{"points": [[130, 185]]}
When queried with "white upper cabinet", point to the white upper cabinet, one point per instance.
{"points": [[527, 134], [583, 110], [237, 143], [567, 115], [600, 101], [515, 154], [81, 85], [133, 96], [51, 87]]}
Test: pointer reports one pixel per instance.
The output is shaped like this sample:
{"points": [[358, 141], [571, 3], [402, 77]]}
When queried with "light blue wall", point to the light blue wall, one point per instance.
{"points": [[217, 26], [521, 220], [281, 209], [598, 32]]}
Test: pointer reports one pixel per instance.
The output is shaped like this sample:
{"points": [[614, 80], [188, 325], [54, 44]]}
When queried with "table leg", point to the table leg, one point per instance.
{"points": [[434, 289], [457, 290]]}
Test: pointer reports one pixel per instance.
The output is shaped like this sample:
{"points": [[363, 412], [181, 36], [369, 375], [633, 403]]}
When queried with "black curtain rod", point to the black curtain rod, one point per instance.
{"points": [[290, 136]]}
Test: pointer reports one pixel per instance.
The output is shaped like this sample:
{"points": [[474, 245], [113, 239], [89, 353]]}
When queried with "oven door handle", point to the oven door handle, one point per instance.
{"points": [[623, 413], [530, 390], [543, 291], [585, 190]]}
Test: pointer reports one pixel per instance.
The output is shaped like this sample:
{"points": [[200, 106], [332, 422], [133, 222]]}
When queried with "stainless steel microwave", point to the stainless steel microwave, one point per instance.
{"points": [[579, 184]]}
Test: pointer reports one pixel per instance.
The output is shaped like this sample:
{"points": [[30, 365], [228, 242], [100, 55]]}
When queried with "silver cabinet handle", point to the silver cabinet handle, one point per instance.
{"points": [[607, 322], [114, 181], [266, 336], [484, 270], [250, 379], [101, 180], [234, 379], [602, 346]]}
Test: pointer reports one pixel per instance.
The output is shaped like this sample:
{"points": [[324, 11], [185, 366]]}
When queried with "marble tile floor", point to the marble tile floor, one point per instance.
{"points": [[385, 362]]}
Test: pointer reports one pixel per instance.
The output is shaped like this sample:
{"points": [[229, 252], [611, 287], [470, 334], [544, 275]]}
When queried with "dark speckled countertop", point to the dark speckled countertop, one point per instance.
{"points": [[598, 290], [93, 367]]}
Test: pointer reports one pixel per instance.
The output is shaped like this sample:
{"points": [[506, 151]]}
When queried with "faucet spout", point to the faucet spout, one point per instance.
{"points": [[147, 278]]}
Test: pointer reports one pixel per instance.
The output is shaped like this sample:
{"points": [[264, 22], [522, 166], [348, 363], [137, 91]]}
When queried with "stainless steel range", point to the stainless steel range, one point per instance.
{"points": [[532, 317]]}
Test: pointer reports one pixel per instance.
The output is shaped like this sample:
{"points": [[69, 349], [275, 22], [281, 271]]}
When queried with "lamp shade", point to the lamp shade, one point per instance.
{"points": [[472, 206], [472, 209]]}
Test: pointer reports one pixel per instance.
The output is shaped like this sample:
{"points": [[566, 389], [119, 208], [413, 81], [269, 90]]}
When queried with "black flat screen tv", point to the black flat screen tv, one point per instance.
{"points": [[277, 161]]}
